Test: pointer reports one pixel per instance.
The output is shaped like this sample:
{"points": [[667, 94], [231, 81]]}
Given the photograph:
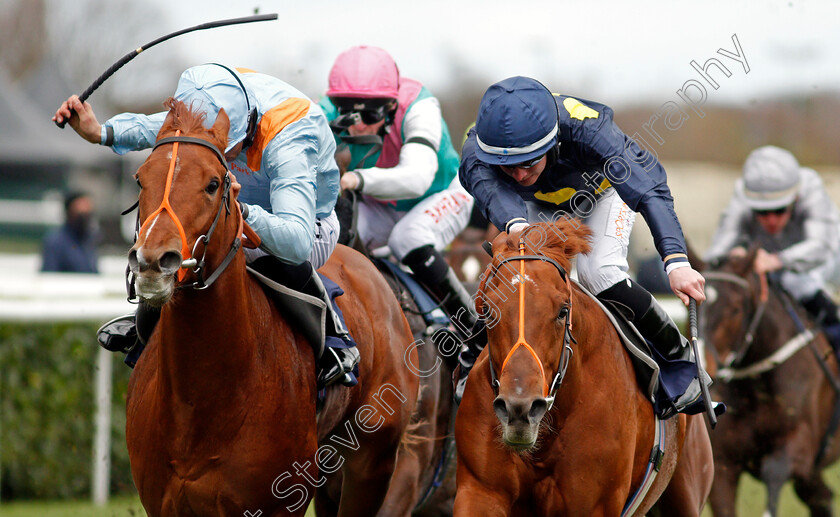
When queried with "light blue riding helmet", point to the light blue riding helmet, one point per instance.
{"points": [[517, 122], [211, 87]]}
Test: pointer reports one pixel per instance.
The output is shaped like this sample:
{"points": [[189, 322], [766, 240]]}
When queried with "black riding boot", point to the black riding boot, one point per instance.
{"points": [[129, 333], [655, 325], [431, 270], [824, 311], [334, 364]]}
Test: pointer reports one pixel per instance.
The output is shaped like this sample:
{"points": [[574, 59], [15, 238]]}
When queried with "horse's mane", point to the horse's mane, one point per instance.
{"points": [[185, 118]]}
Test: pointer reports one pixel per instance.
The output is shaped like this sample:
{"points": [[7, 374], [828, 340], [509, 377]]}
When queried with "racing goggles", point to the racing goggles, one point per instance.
{"points": [[774, 211], [366, 116], [525, 165]]}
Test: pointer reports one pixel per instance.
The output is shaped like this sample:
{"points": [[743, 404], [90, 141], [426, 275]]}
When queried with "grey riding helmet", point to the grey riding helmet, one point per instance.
{"points": [[771, 179]]}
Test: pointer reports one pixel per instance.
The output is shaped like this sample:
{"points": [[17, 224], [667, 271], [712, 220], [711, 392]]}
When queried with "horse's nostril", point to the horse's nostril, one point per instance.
{"points": [[132, 261], [538, 409], [170, 262], [500, 407]]}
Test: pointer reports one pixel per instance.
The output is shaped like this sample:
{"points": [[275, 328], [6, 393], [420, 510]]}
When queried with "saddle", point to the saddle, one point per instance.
{"points": [[308, 312], [661, 380]]}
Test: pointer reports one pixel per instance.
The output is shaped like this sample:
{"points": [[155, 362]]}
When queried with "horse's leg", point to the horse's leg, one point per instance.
{"points": [[814, 493], [367, 473], [725, 487], [325, 505], [473, 499], [775, 471], [692, 479]]}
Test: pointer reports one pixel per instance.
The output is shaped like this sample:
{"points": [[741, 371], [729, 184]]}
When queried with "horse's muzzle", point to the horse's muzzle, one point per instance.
{"points": [[520, 419], [155, 276]]}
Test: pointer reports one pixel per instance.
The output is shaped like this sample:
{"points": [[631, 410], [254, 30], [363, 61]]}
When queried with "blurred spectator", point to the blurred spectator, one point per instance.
{"points": [[72, 247]]}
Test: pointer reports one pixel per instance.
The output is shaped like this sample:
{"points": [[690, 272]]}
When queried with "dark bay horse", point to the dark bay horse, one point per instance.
{"points": [[424, 478], [525, 449], [780, 401], [221, 416]]}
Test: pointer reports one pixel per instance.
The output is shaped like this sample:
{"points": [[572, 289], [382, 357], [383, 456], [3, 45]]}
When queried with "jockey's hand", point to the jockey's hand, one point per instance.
{"points": [[350, 181], [738, 252], [235, 186], [687, 283], [766, 262], [81, 118]]}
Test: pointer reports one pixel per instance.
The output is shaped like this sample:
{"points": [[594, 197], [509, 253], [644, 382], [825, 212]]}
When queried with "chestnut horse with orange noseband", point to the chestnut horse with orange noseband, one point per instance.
{"points": [[552, 421], [221, 416]]}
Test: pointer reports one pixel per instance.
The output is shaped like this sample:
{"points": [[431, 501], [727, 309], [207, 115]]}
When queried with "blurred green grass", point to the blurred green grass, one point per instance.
{"points": [[123, 506], [751, 502], [752, 497]]}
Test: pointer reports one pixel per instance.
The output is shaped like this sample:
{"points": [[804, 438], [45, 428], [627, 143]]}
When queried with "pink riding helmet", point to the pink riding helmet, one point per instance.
{"points": [[364, 72]]}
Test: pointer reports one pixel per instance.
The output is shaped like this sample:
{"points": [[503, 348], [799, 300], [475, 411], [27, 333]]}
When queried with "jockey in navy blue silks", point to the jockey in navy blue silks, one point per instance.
{"points": [[534, 156]]}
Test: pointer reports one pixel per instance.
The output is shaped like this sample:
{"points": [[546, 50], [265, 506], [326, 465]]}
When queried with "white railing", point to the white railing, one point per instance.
{"points": [[26, 295]]}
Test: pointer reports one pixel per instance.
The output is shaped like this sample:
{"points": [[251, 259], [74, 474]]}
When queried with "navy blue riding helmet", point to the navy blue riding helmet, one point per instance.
{"points": [[517, 122]]}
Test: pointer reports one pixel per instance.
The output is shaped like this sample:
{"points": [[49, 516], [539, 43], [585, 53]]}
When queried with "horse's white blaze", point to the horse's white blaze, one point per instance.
{"points": [[519, 279], [149, 229]]}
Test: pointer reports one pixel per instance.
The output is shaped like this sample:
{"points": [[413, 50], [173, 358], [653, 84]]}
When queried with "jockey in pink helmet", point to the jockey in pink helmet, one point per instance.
{"points": [[404, 165]]}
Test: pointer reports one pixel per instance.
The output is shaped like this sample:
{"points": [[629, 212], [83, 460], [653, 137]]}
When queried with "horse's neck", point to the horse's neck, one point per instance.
{"points": [[206, 338], [777, 325]]}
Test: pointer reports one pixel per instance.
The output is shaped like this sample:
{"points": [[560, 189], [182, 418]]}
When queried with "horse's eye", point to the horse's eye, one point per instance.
{"points": [[564, 312], [213, 186]]}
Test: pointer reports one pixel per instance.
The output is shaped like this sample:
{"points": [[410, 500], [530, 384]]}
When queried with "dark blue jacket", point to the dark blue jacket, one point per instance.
{"points": [[66, 252], [593, 155]]}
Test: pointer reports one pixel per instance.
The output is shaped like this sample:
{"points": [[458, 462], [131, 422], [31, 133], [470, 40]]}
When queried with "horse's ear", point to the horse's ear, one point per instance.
{"points": [[694, 259], [745, 265], [220, 129], [168, 123], [342, 158]]}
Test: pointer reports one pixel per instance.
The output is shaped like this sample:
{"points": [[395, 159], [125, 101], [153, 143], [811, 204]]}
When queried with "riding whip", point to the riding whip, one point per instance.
{"points": [[701, 374], [131, 55]]}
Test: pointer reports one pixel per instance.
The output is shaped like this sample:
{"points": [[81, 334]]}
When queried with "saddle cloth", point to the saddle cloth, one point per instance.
{"points": [[309, 312]]}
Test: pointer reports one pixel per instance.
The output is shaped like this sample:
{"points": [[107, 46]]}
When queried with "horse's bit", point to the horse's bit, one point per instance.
{"points": [[548, 390]]}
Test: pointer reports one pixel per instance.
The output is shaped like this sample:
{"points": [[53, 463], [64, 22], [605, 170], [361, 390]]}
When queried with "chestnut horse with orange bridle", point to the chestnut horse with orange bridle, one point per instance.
{"points": [[221, 416], [552, 421]]}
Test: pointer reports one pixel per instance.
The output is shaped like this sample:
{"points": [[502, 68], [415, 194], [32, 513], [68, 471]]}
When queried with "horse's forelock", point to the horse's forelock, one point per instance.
{"points": [[185, 118], [561, 240]]}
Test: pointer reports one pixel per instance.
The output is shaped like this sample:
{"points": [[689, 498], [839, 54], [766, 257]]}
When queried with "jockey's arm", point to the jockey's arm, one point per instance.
{"points": [[418, 163], [645, 190], [132, 131], [821, 239], [290, 160]]}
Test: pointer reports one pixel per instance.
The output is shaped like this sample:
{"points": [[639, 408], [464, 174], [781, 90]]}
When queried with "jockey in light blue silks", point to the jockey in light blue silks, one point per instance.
{"points": [[412, 200], [281, 150]]}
